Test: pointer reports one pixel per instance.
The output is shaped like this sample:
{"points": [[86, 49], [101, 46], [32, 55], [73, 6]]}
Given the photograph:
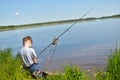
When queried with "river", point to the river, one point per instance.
{"points": [[86, 44]]}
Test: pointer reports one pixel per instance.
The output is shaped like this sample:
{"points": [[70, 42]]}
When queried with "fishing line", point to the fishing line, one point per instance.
{"points": [[53, 44], [57, 38]]}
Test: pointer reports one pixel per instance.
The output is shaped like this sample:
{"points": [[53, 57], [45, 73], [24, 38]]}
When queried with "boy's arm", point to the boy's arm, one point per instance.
{"points": [[34, 57], [35, 60]]}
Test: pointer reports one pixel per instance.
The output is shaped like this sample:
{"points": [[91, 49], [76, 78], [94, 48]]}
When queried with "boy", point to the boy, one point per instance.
{"points": [[29, 58]]}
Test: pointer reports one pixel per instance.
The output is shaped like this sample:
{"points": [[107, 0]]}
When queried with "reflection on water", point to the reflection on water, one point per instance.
{"points": [[85, 44]]}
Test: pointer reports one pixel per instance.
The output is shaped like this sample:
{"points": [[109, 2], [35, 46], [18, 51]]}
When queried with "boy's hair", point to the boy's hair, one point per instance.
{"points": [[26, 39]]}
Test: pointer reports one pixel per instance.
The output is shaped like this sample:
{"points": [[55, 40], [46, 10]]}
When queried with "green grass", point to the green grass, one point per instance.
{"points": [[112, 71], [11, 69], [70, 73], [113, 66]]}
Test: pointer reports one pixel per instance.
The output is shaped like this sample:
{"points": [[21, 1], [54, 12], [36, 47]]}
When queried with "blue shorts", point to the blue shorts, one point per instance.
{"points": [[38, 66]]}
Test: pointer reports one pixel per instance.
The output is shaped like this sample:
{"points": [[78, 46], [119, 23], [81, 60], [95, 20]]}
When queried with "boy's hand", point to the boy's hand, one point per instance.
{"points": [[35, 60], [35, 63]]}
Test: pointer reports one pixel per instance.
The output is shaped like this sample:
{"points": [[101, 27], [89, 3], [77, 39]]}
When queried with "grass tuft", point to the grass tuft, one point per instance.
{"points": [[113, 67], [10, 67]]}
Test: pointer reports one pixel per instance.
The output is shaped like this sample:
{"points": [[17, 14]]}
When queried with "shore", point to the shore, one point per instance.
{"points": [[33, 25], [11, 69], [86, 63]]}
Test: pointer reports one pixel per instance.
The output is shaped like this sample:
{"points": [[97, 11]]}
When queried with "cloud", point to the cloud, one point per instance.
{"points": [[16, 13]]}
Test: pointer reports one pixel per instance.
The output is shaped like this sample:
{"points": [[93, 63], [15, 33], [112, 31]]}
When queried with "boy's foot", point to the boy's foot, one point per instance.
{"points": [[37, 74]]}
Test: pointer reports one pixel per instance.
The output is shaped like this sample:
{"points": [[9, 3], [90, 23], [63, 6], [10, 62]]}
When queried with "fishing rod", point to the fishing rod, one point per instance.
{"points": [[54, 42]]}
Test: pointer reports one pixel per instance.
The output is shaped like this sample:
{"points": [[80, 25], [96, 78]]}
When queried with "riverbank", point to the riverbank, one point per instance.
{"points": [[33, 25], [10, 68]]}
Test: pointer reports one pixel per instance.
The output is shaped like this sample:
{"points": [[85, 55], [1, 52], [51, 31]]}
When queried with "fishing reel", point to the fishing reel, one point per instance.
{"points": [[55, 41]]}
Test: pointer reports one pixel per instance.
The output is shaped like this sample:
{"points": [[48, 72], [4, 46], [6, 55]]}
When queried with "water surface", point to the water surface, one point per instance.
{"points": [[87, 44]]}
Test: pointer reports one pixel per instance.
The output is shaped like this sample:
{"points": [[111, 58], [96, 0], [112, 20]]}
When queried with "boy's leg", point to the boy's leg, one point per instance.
{"points": [[38, 66], [36, 69]]}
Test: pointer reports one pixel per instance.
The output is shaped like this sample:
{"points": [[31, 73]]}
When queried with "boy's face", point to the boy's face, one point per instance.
{"points": [[28, 43]]}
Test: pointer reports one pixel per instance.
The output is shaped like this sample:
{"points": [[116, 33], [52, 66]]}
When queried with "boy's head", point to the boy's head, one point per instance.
{"points": [[27, 41]]}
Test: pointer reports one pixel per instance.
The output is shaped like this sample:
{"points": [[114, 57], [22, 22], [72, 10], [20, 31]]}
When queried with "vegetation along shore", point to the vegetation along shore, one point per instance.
{"points": [[11, 69], [13, 27]]}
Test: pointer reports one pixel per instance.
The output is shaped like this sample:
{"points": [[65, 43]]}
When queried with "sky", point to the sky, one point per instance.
{"points": [[16, 12]]}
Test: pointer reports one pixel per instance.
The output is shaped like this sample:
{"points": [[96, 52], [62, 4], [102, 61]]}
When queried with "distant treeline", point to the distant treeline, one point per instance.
{"points": [[12, 27]]}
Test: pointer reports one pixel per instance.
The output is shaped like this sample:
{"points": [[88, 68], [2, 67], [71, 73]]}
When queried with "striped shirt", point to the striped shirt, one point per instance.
{"points": [[27, 55]]}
